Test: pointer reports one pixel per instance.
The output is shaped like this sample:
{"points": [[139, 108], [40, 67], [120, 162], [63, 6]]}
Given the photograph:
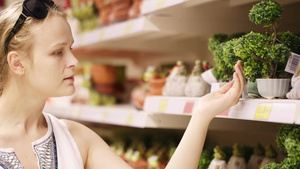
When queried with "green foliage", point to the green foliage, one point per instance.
{"points": [[247, 48], [265, 12], [206, 157], [216, 40], [272, 166], [292, 143], [288, 140], [283, 134], [225, 58], [290, 40], [278, 53], [251, 43]]}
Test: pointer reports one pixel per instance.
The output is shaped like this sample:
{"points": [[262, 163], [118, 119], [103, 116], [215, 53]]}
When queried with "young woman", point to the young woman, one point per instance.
{"points": [[36, 63]]}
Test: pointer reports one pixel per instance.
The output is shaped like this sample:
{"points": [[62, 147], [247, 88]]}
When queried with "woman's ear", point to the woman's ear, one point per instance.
{"points": [[15, 63]]}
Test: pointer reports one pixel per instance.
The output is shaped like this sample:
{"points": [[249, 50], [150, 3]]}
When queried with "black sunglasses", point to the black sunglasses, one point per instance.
{"points": [[37, 9]]}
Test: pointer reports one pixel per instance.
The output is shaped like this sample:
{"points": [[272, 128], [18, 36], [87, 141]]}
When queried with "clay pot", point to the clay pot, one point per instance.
{"points": [[156, 85], [103, 74], [135, 9], [105, 88], [120, 9]]}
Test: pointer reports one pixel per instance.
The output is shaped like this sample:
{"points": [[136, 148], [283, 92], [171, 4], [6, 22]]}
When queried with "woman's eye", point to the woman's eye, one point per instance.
{"points": [[58, 53]]}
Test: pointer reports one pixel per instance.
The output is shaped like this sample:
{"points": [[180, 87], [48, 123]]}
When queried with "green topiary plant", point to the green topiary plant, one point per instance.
{"points": [[267, 13], [221, 45], [216, 40], [264, 58]]}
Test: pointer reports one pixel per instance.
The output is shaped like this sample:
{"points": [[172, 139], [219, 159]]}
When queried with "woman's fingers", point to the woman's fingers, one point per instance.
{"points": [[226, 87], [239, 78]]}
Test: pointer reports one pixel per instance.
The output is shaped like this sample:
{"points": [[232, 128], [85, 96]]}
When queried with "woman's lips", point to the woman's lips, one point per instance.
{"points": [[69, 78]]}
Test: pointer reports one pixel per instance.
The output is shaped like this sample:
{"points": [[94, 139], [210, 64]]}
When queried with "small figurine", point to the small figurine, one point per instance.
{"points": [[295, 82], [176, 81], [196, 86]]}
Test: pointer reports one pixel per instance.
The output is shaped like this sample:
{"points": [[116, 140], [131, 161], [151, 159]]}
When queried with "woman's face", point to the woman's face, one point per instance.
{"points": [[51, 72]]}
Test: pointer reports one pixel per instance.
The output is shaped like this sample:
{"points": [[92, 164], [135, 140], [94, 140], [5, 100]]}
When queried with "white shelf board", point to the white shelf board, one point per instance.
{"points": [[126, 28], [277, 111], [140, 34], [149, 6], [121, 115]]}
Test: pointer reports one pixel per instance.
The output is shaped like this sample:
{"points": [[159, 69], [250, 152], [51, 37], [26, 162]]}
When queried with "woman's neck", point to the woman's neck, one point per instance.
{"points": [[20, 110]]}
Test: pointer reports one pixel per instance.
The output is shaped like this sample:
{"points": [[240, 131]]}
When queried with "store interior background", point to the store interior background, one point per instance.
{"points": [[181, 32]]}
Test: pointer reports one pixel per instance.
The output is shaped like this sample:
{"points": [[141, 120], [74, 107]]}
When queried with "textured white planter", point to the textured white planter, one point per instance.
{"points": [[270, 88]]}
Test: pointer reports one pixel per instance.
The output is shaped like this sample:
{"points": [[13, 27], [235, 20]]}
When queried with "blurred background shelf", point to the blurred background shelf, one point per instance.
{"points": [[119, 115]]}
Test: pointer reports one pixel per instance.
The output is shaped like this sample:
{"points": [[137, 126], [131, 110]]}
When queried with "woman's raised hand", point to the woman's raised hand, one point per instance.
{"points": [[216, 102]]}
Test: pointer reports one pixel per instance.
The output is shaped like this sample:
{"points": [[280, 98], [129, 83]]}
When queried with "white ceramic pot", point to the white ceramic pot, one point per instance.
{"points": [[270, 88]]}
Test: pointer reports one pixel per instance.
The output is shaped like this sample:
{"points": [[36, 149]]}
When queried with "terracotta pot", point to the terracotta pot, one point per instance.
{"points": [[135, 8], [103, 74], [120, 9], [105, 88], [156, 85]]}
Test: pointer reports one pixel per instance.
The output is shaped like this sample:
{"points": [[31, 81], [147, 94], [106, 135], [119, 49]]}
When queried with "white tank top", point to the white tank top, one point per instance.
{"points": [[68, 154]]}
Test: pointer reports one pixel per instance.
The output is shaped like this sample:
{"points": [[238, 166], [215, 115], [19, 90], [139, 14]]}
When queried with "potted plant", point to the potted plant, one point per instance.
{"points": [[270, 55]]}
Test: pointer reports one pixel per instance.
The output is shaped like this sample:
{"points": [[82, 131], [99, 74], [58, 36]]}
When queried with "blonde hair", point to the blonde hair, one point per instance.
{"points": [[21, 41]]}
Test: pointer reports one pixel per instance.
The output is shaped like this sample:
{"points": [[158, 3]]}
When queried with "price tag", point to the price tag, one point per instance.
{"points": [[129, 119], [263, 111], [101, 34], [128, 28], [188, 107], [104, 116], [163, 105], [160, 4], [81, 39], [79, 114]]}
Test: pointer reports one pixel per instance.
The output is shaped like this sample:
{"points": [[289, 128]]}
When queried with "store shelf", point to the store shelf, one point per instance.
{"points": [[179, 26], [160, 112], [149, 6], [140, 34], [277, 111], [121, 115], [298, 118]]}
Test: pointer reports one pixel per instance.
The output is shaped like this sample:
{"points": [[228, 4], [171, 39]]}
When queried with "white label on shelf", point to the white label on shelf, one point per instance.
{"points": [[162, 106], [128, 27], [101, 34], [292, 63], [160, 4], [104, 116]]}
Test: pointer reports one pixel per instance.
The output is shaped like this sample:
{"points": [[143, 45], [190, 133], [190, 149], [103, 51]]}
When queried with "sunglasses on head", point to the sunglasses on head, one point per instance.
{"points": [[37, 9]]}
